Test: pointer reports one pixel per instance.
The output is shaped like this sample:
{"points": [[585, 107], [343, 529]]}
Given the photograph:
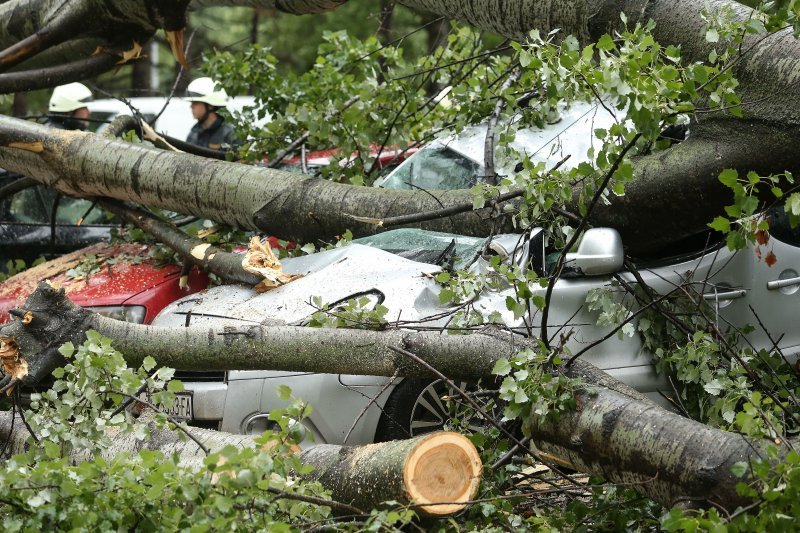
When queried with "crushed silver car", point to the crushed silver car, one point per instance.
{"points": [[396, 269]]}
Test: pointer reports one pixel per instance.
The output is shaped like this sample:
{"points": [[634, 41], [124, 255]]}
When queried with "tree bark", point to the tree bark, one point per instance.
{"points": [[667, 457]]}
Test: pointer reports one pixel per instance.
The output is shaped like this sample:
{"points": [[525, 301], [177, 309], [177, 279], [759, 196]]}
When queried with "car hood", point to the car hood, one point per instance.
{"points": [[405, 286], [125, 271], [334, 276]]}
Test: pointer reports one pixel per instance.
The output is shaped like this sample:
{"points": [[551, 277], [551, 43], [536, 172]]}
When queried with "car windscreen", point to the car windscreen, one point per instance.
{"points": [[428, 246], [34, 205], [435, 167]]}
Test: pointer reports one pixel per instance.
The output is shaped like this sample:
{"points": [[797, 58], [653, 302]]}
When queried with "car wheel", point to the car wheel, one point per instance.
{"points": [[419, 406]]}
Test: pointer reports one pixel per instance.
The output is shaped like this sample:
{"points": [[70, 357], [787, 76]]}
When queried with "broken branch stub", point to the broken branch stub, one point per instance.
{"points": [[47, 321]]}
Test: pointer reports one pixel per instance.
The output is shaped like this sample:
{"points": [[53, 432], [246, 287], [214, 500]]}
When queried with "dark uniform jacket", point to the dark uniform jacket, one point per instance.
{"points": [[65, 123], [216, 137]]}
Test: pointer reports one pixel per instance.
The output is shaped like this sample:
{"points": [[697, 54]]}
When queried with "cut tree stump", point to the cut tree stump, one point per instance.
{"points": [[439, 473]]}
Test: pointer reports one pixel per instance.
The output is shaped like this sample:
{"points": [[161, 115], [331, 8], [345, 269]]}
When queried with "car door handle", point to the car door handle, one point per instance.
{"points": [[781, 283], [725, 294]]}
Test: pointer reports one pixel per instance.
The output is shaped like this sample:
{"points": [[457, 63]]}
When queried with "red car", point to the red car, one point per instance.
{"points": [[387, 160], [120, 281]]}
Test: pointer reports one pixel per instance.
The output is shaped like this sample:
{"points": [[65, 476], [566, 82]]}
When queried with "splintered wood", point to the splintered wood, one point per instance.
{"points": [[261, 261], [13, 364]]}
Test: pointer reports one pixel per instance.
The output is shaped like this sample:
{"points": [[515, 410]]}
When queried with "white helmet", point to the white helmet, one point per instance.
{"points": [[69, 97], [207, 91]]}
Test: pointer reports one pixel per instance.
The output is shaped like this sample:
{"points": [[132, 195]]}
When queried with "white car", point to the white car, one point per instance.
{"points": [[456, 161], [174, 115]]}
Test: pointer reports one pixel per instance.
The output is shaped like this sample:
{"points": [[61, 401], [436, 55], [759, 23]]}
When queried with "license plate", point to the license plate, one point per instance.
{"points": [[181, 408]]}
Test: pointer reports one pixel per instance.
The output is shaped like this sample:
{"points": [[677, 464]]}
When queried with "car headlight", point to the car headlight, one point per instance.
{"points": [[126, 313]]}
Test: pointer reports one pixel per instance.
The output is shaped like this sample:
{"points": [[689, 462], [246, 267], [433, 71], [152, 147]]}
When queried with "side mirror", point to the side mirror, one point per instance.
{"points": [[600, 252]]}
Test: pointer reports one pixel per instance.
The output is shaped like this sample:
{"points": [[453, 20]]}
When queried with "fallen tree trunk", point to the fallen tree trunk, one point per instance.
{"points": [[665, 456], [670, 458], [439, 473], [304, 209], [289, 205]]}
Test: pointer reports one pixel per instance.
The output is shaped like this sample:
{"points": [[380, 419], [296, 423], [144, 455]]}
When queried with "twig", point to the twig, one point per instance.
{"points": [[488, 146], [316, 501], [561, 259]]}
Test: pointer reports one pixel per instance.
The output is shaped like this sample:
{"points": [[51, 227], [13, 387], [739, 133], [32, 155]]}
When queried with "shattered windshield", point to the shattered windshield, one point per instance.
{"points": [[436, 167], [428, 246]]}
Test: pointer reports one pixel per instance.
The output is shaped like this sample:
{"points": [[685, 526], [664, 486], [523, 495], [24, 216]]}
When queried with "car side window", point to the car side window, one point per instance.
{"points": [[34, 205], [71, 210], [27, 207]]}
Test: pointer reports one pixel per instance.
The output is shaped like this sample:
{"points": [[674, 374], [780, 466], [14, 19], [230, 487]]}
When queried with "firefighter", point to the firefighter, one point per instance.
{"points": [[68, 109], [211, 131]]}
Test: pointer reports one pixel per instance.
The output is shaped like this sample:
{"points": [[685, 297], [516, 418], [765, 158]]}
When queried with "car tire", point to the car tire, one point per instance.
{"points": [[415, 407]]}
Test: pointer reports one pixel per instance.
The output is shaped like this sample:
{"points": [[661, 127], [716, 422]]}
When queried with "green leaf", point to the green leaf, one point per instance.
{"points": [[713, 387], [284, 392], [520, 396], [149, 363], [755, 26], [51, 449], [739, 469], [712, 35], [793, 204], [502, 367], [721, 224], [223, 503], [605, 42], [750, 205], [67, 349], [729, 177]]}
